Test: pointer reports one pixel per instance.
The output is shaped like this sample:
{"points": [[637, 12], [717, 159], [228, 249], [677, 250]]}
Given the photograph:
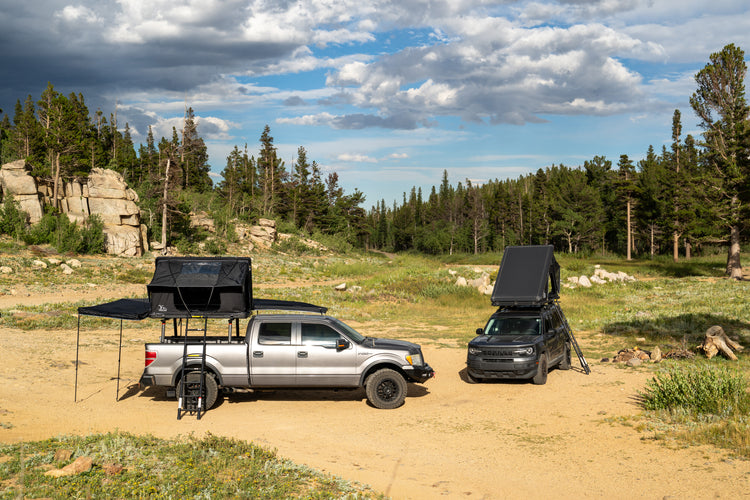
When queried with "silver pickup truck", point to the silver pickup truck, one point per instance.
{"points": [[288, 351]]}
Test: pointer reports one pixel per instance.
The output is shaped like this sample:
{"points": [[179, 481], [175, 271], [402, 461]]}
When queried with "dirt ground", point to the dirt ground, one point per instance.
{"points": [[571, 438]]}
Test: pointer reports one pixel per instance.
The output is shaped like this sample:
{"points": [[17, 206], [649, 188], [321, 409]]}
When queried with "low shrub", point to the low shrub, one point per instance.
{"points": [[699, 390]]}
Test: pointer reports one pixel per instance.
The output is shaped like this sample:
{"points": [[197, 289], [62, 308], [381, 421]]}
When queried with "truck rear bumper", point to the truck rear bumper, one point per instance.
{"points": [[420, 374], [147, 380]]}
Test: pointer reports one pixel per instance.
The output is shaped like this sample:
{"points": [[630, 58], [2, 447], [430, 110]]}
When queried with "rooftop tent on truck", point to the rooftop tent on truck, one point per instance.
{"points": [[528, 276], [201, 286]]}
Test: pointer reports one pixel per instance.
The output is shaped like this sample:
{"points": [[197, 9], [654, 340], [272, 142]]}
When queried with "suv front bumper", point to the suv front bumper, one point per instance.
{"points": [[502, 370]]}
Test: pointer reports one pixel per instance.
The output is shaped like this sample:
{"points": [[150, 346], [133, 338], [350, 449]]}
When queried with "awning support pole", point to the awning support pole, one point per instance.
{"points": [[78, 336], [119, 358]]}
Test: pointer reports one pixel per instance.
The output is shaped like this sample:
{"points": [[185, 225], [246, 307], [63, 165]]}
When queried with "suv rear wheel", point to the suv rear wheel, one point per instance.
{"points": [[386, 389], [565, 363]]}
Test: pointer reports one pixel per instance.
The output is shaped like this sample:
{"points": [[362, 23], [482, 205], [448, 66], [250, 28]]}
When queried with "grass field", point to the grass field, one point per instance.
{"points": [[669, 305]]}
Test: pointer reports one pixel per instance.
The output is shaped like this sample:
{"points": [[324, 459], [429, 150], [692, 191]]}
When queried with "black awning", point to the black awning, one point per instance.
{"points": [[132, 309], [287, 305]]}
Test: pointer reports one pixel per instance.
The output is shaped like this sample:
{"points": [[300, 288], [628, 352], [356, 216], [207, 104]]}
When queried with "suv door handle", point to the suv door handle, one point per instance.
{"points": [[257, 354], [302, 354]]}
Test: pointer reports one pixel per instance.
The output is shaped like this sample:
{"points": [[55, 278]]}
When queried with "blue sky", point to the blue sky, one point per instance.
{"points": [[386, 93]]}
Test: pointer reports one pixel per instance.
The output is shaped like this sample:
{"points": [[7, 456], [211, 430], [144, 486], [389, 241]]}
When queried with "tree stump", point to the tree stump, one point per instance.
{"points": [[716, 341]]}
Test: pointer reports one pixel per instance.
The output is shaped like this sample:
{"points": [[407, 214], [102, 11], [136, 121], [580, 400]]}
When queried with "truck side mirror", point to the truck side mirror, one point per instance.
{"points": [[342, 344], [480, 331]]}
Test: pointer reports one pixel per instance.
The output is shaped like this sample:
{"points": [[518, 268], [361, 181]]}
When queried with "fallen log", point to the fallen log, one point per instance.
{"points": [[716, 341]]}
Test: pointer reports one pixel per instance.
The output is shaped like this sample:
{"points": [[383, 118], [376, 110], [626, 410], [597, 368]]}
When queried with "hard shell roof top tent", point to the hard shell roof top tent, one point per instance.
{"points": [[213, 287], [528, 276]]}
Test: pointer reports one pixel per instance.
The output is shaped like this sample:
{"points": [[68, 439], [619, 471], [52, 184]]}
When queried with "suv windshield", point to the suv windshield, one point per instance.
{"points": [[513, 325]]}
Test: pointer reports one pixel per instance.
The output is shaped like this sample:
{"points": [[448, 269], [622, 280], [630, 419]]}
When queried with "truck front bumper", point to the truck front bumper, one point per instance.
{"points": [[420, 374]]}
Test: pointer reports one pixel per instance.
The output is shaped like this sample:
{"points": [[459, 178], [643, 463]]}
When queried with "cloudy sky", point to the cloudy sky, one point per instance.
{"points": [[388, 93]]}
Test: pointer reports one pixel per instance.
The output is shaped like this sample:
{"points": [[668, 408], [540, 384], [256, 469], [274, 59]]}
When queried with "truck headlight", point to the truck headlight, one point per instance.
{"points": [[414, 359], [474, 351], [523, 351]]}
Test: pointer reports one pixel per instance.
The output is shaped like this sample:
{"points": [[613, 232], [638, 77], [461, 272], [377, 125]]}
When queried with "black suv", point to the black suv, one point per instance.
{"points": [[528, 334], [520, 342]]}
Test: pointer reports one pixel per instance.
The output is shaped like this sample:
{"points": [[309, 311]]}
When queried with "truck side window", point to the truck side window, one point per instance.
{"points": [[275, 334], [317, 334]]}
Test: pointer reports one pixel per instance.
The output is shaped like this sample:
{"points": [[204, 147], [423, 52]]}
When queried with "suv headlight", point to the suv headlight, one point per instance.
{"points": [[523, 351], [414, 359], [474, 351]]}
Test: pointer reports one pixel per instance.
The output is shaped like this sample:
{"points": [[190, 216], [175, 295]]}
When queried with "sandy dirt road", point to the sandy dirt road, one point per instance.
{"points": [[450, 440]]}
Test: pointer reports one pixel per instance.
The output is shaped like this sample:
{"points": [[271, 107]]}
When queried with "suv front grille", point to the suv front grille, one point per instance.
{"points": [[497, 352]]}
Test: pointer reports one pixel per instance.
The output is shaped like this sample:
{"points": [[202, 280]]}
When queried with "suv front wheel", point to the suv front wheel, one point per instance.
{"points": [[386, 389], [541, 374]]}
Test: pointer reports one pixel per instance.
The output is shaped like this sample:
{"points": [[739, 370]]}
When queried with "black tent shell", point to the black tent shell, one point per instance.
{"points": [[213, 287], [528, 276]]}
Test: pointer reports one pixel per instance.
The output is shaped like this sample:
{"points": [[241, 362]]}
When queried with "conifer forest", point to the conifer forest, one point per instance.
{"points": [[683, 197]]}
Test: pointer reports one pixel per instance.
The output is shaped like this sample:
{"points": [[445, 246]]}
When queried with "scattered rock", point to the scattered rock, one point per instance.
{"points": [[38, 264], [656, 355], [63, 455], [74, 263], [340, 288], [66, 269], [6, 270], [461, 281], [112, 469], [584, 282], [79, 465]]}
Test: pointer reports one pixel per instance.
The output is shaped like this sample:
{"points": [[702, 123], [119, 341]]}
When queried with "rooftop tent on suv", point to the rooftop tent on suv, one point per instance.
{"points": [[201, 286], [528, 276]]}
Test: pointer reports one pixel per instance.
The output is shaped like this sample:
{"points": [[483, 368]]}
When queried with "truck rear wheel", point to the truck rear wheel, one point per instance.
{"points": [[210, 388], [386, 389]]}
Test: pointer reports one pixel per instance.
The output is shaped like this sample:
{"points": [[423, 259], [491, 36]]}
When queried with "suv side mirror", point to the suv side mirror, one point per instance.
{"points": [[342, 344], [480, 331]]}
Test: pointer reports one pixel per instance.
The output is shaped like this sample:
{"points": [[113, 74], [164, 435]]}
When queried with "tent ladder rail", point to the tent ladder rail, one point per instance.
{"points": [[190, 399]]}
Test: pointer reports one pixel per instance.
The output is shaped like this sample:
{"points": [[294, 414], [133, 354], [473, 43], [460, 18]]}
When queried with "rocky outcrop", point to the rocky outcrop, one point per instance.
{"points": [[104, 193], [17, 182]]}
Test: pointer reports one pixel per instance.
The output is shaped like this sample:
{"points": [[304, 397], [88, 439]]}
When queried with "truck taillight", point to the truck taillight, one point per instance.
{"points": [[150, 357]]}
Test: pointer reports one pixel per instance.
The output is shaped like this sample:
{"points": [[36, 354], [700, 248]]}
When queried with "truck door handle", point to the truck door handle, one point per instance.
{"points": [[257, 354], [302, 354]]}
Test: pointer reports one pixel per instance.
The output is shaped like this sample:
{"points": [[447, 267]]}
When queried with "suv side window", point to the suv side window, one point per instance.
{"points": [[317, 334], [275, 334]]}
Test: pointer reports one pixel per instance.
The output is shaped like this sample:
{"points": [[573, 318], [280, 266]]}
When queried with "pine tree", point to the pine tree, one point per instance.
{"points": [[722, 109]]}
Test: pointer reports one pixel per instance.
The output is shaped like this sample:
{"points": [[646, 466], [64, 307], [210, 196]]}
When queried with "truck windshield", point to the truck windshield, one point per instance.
{"points": [[350, 332], [510, 325]]}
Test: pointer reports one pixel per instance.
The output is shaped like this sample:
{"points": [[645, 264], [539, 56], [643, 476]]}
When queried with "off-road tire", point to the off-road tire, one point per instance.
{"points": [[565, 363], [541, 374], [210, 390], [386, 389]]}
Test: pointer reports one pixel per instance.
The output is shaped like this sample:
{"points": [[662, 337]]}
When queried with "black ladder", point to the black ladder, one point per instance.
{"points": [[574, 343], [190, 399]]}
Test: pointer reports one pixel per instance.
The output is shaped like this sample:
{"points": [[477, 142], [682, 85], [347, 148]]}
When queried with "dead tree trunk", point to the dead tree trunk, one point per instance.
{"points": [[716, 341]]}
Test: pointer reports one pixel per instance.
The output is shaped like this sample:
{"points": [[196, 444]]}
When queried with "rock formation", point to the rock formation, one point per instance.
{"points": [[103, 193]]}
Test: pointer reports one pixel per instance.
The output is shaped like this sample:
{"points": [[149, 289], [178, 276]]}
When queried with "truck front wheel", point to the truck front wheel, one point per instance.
{"points": [[192, 389], [386, 389]]}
